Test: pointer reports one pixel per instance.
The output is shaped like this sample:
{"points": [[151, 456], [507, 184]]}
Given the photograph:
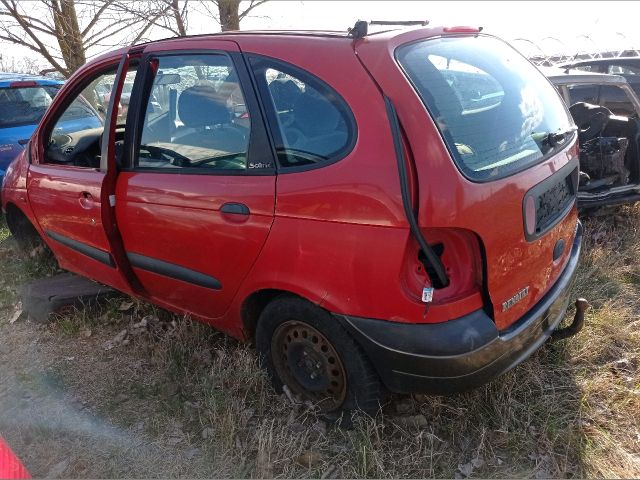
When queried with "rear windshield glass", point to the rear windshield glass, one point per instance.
{"points": [[494, 109], [24, 106]]}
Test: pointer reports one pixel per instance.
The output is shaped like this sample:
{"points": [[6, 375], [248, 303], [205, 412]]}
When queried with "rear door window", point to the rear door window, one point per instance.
{"points": [[493, 108], [310, 122], [195, 117]]}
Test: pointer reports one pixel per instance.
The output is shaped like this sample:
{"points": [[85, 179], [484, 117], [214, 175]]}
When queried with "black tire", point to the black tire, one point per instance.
{"points": [[360, 387], [26, 236]]}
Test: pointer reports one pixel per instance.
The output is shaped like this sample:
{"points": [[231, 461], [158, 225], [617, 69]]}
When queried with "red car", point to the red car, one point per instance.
{"points": [[393, 212], [10, 465]]}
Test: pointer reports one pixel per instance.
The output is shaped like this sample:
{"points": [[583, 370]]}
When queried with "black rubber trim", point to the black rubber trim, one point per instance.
{"points": [[441, 280], [87, 250], [236, 208], [610, 201], [172, 270], [461, 353], [571, 170]]}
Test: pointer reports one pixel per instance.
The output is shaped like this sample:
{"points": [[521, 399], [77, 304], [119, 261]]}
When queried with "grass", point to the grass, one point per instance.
{"points": [[179, 399]]}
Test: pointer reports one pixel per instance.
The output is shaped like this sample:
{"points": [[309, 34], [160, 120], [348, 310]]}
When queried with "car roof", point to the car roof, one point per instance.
{"points": [[567, 76], [6, 79]]}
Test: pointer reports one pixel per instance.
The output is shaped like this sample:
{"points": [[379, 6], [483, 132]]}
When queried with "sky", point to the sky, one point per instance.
{"points": [[551, 27]]}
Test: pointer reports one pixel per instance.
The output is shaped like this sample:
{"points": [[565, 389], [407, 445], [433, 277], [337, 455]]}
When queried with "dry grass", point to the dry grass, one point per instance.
{"points": [[182, 400]]}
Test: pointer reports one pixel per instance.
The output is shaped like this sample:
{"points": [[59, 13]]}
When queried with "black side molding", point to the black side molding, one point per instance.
{"points": [[91, 252], [172, 270]]}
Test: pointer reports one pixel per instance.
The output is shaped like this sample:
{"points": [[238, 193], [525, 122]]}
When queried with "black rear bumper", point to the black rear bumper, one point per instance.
{"points": [[463, 353]]}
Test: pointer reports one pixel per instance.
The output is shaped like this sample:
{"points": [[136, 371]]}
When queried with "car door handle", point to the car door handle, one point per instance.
{"points": [[86, 200], [237, 208]]}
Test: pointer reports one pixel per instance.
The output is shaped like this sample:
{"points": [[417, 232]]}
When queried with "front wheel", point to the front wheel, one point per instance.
{"points": [[305, 348]]}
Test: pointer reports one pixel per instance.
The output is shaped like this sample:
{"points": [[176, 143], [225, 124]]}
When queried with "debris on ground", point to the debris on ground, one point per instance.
{"points": [[16, 313]]}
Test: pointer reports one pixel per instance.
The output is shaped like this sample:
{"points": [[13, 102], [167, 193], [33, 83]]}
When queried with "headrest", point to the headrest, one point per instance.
{"points": [[200, 106], [315, 115], [284, 92]]}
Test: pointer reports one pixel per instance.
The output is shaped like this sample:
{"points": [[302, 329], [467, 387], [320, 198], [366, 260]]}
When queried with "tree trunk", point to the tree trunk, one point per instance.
{"points": [[175, 9], [68, 35], [229, 17]]}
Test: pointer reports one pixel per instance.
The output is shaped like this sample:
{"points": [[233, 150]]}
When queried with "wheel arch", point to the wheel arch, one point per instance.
{"points": [[255, 303], [19, 222]]}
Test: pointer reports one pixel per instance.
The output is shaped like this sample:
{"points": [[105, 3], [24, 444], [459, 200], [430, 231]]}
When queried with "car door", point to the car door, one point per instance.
{"points": [[195, 198], [65, 180]]}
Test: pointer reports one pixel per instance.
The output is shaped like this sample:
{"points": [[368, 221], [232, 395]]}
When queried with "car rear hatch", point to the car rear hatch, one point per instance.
{"points": [[493, 148]]}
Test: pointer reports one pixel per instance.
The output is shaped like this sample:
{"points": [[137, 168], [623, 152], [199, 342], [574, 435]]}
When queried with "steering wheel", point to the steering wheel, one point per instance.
{"points": [[179, 160]]}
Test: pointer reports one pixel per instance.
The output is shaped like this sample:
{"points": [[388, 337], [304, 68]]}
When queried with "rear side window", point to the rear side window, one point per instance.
{"points": [[310, 121], [25, 105], [623, 70], [493, 108]]}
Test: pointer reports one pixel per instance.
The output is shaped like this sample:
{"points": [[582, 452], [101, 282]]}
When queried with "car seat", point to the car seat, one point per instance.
{"points": [[590, 119], [207, 121], [284, 92], [320, 125]]}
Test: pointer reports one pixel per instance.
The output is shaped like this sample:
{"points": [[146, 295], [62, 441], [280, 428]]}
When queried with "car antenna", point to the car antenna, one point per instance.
{"points": [[361, 27]]}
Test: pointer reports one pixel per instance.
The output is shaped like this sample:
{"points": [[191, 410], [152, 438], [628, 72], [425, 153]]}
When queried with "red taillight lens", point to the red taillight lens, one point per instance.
{"points": [[530, 215]]}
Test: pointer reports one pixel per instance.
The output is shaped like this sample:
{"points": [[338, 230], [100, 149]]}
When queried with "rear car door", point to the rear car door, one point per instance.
{"points": [[65, 180], [195, 198]]}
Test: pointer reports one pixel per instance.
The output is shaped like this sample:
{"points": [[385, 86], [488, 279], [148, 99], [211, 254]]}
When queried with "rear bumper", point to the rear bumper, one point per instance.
{"points": [[463, 353]]}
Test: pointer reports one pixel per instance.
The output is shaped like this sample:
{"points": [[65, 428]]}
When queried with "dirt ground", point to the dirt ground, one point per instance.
{"points": [[126, 390]]}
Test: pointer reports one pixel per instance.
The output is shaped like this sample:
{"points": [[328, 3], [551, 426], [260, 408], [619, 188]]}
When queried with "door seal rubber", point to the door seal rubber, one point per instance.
{"points": [[439, 277]]}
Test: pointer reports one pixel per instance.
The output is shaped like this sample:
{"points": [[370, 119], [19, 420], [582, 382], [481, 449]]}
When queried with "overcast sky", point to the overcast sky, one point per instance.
{"points": [[553, 26]]}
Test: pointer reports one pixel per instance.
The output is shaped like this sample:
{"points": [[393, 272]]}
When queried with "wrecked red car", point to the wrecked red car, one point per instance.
{"points": [[393, 211]]}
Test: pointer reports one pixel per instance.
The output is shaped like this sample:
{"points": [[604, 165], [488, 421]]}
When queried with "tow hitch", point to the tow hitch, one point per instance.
{"points": [[576, 325]]}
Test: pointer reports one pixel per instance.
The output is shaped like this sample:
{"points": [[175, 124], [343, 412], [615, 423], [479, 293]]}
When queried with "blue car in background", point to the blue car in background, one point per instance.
{"points": [[23, 101]]}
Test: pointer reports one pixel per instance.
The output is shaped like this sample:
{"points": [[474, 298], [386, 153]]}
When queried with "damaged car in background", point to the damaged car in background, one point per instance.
{"points": [[606, 111]]}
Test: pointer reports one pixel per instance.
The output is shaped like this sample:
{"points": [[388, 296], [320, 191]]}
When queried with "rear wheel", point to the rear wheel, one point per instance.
{"points": [[305, 348]]}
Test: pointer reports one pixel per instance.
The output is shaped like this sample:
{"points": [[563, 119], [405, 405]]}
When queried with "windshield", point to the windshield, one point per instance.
{"points": [[493, 108], [25, 106]]}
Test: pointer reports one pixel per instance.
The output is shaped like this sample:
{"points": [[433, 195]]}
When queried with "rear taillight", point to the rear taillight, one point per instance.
{"points": [[460, 252]]}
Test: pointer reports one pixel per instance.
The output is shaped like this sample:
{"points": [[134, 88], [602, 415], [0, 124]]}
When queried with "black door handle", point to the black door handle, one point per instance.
{"points": [[237, 208]]}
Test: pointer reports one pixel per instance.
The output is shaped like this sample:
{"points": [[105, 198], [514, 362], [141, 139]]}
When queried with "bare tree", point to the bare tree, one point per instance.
{"points": [[174, 17], [19, 65], [64, 31], [230, 15], [228, 12]]}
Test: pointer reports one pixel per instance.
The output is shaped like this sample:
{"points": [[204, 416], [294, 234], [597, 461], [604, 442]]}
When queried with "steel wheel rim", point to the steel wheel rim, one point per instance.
{"points": [[309, 365]]}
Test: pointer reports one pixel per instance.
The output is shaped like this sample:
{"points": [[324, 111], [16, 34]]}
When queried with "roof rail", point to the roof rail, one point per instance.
{"points": [[361, 27]]}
